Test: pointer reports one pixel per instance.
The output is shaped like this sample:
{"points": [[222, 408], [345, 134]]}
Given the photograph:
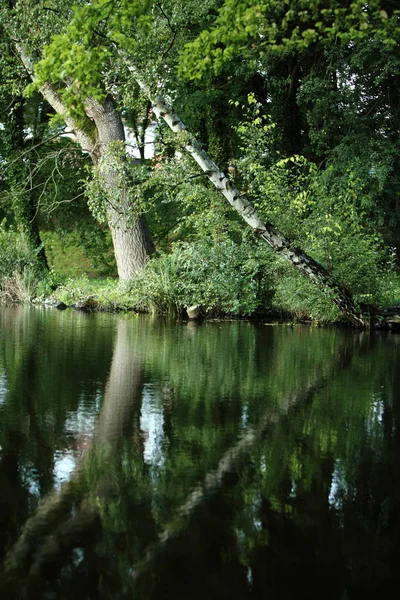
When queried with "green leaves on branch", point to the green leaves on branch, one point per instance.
{"points": [[255, 28], [77, 58], [322, 213]]}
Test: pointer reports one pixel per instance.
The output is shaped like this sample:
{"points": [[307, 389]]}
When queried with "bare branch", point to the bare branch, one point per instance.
{"points": [[34, 147]]}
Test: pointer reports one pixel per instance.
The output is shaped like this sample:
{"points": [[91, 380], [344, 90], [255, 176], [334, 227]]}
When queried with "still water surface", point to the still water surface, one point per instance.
{"points": [[141, 458]]}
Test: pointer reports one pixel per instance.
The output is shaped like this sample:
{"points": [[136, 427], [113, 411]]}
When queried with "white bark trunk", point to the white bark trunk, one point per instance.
{"points": [[228, 463], [274, 238]]}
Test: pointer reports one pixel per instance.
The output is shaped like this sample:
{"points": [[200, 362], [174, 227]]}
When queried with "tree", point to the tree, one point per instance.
{"points": [[330, 73], [97, 127], [20, 196], [23, 201], [355, 117], [42, 171], [78, 75]]}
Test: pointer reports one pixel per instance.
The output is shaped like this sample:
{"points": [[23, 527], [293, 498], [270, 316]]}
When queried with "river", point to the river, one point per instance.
{"points": [[150, 459]]}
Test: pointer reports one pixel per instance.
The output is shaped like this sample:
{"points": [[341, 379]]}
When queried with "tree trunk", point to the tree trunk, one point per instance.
{"points": [[309, 267], [239, 453], [65, 516], [131, 238], [283, 84], [123, 392]]}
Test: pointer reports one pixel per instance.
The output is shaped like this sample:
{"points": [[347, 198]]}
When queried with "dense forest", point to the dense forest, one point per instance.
{"points": [[239, 156]]}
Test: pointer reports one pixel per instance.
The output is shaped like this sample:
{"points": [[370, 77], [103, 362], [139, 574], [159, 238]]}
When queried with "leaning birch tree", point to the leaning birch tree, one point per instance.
{"points": [[309, 267], [72, 70]]}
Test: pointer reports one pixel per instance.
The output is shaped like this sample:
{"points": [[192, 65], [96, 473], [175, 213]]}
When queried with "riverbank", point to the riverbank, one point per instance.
{"points": [[165, 295], [108, 295]]}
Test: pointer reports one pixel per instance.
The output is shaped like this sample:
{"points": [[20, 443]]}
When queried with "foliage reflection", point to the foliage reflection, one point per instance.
{"points": [[217, 460]]}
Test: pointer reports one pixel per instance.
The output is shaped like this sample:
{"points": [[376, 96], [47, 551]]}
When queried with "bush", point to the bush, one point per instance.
{"points": [[358, 261], [18, 267], [223, 278], [325, 212]]}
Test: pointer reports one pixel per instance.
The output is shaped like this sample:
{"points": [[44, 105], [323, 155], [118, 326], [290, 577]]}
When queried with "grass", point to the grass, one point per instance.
{"points": [[66, 256], [104, 294]]}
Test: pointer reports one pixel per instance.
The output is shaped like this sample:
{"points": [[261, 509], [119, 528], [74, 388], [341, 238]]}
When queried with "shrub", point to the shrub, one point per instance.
{"points": [[358, 261], [18, 267], [223, 278]]}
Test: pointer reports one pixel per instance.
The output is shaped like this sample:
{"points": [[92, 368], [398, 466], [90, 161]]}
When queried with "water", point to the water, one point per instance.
{"points": [[141, 458]]}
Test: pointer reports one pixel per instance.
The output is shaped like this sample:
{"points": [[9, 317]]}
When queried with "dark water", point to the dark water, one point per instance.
{"points": [[146, 459]]}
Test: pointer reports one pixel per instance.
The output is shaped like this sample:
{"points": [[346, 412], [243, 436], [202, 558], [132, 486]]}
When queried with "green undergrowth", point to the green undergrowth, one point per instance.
{"points": [[74, 255], [159, 291], [224, 279], [104, 294]]}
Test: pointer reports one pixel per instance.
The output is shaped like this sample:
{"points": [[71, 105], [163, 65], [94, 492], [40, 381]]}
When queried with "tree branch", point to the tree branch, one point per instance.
{"points": [[50, 93]]}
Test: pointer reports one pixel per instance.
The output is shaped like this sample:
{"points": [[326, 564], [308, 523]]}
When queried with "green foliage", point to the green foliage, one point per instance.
{"points": [[322, 167], [359, 261], [73, 289], [354, 128], [391, 289], [18, 266], [15, 254], [79, 55], [159, 287], [327, 218], [177, 198], [104, 294], [223, 278], [255, 28], [84, 251]]}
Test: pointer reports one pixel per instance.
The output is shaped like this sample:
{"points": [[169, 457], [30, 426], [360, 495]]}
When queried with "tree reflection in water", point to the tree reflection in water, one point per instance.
{"points": [[290, 489]]}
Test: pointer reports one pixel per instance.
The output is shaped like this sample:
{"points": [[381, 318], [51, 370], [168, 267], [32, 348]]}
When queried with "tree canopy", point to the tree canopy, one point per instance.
{"points": [[297, 101]]}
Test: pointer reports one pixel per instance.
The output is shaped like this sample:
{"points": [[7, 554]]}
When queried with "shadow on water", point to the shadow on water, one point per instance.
{"points": [[226, 461]]}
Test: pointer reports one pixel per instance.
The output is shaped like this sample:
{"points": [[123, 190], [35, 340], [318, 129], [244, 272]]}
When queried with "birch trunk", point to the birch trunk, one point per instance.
{"points": [[309, 267], [240, 452]]}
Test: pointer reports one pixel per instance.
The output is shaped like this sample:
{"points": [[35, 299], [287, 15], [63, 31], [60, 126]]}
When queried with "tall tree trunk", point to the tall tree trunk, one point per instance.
{"points": [[131, 238], [120, 411], [65, 516], [309, 267], [283, 85]]}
